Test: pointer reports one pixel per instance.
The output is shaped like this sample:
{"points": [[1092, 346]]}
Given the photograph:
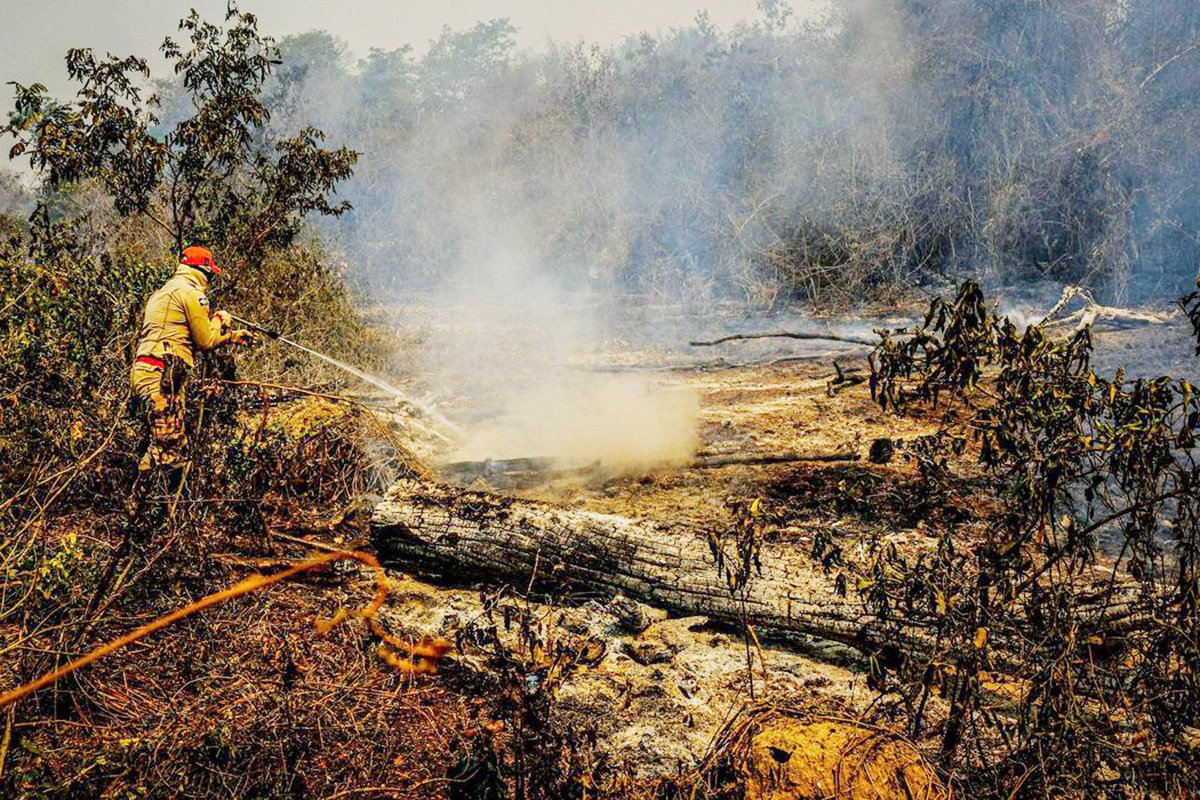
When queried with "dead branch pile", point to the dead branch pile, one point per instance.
{"points": [[209, 690]]}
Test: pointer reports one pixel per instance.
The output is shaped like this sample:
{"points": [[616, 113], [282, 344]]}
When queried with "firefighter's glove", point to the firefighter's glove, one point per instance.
{"points": [[243, 337]]}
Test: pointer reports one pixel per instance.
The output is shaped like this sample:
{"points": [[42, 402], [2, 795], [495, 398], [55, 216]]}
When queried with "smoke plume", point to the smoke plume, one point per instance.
{"points": [[535, 201]]}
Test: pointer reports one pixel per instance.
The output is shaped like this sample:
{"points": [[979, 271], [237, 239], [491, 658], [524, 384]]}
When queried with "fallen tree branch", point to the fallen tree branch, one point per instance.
{"points": [[1093, 312], [515, 472], [441, 533], [708, 462], [818, 337]]}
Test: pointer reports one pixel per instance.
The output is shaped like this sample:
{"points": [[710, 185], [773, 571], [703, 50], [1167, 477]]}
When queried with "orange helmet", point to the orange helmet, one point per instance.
{"points": [[200, 257]]}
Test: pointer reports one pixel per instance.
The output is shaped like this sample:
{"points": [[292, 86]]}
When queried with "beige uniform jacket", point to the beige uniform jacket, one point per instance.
{"points": [[177, 320]]}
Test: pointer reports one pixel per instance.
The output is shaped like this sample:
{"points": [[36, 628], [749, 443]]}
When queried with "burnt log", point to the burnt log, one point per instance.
{"points": [[444, 533], [805, 336]]}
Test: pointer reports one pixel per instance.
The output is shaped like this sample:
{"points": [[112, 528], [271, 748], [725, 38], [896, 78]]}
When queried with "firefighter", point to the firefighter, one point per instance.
{"points": [[175, 324]]}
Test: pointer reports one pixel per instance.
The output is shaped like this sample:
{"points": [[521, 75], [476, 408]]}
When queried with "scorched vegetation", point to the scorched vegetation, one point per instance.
{"points": [[966, 563]]}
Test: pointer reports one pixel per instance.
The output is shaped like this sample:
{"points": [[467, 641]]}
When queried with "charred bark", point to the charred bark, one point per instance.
{"points": [[445, 533], [460, 536], [753, 459]]}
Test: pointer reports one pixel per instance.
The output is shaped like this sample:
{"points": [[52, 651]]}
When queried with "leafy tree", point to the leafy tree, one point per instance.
{"points": [[118, 188], [387, 87], [213, 176], [461, 61]]}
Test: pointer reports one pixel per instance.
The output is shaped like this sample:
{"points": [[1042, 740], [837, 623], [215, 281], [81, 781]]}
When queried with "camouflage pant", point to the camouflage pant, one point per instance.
{"points": [[161, 392]]}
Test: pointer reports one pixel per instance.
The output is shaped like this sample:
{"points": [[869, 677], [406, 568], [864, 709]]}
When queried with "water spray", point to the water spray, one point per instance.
{"points": [[427, 411]]}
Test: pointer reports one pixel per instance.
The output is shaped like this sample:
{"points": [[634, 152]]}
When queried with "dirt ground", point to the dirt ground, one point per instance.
{"points": [[783, 402], [211, 690]]}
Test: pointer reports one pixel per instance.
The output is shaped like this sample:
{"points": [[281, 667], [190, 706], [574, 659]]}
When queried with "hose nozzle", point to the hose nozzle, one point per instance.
{"points": [[270, 334]]}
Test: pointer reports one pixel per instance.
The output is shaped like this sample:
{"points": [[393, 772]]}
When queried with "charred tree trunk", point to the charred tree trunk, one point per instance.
{"points": [[442, 532]]}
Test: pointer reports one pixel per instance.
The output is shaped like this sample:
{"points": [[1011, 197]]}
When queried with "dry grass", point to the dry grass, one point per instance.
{"points": [[243, 702], [259, 695]]}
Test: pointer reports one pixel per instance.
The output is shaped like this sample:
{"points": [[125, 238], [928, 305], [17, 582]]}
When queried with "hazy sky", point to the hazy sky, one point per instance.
{"points": [[38, 34]]}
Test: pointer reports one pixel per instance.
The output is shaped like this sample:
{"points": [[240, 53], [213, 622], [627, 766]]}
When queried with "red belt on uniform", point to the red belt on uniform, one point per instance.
{"points": [[151, 361]]}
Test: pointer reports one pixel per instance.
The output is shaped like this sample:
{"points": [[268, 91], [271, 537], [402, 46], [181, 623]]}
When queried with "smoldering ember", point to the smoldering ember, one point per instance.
{"points": [[515, 400]]}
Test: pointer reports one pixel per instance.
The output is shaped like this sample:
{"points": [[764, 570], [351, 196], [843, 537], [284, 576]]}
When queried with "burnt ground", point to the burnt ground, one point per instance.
{"points": [[659, 719], [250, 699], [786, 404]]}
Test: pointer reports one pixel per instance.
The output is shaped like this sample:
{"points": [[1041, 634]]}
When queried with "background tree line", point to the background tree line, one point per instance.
{"points": [[885, 145]]}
